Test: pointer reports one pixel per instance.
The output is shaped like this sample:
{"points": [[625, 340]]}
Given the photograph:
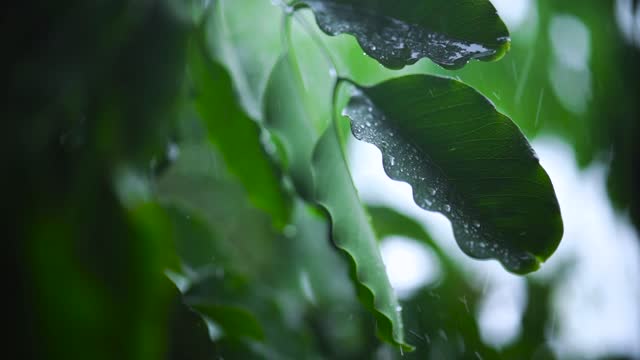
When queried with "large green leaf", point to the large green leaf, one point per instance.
{"points": [[319, 167], [466, 161], [235, 134], [401, 32]]}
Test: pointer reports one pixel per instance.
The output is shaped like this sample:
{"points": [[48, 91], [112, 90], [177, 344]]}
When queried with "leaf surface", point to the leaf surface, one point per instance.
{"points": [[318, 164], [236, 135], [401, 32], [465, 160]]}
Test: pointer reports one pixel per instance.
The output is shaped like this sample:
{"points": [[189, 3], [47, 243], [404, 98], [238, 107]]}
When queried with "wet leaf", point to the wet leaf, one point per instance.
{"points": [[399, 33], [288, 121], [353, 234], [322, 172], [237, 136], [466, 161]]}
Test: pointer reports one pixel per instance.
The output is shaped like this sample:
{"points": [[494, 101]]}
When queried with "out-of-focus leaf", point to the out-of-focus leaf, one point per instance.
{"points": [[234, 133], [387, 222], [534, 340], [211, 212], [198, 186], [188, 333], [235, 321], [100, 308], [401, 32], [288, 121], [328, 182], [439, 319], [466, 161]]}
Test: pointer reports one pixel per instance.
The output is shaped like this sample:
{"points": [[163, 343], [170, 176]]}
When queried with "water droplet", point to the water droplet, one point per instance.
{"points": [[398, 308], [446, 207]]}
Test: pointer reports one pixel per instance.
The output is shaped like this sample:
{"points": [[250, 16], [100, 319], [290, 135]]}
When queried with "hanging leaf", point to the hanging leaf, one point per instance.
{"points": [[320, 168], [236, 136], [353, 233], [466, 161], [401, 32]]}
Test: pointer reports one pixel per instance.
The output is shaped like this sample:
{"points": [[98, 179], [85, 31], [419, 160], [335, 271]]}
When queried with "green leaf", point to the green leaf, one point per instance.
{"points": [[236, 322], [227, 299], [236, 135], [320, 169], [466, 161], [353, 234], [188, 335], [389, 222], [401, 32], [288, 121]]}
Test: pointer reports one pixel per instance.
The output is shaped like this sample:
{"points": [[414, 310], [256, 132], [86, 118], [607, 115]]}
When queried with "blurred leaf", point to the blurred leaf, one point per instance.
{"points": [[234, 133], [289, 122], [401, 32], [188, 333], [534, 341], [198, 187], [466, 161], [235, 321], [388, 222], [441, 321], [439, 318], [329, 182]]}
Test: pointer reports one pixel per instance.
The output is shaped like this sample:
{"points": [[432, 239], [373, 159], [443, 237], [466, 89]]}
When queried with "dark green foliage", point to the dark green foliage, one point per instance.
{"points": [[466, 161], [401, 32], [131, 160]]}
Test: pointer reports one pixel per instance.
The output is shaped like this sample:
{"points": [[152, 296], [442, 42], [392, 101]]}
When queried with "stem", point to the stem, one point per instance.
{"points": [[333, 69]]}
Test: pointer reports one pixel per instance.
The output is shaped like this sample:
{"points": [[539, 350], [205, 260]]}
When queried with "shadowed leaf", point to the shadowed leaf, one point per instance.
{"points": [[322, 173], [399, 33], [466, 161], [235, 134]]}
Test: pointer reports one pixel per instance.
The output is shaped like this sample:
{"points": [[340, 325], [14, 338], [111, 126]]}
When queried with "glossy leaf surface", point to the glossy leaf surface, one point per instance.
{"points": [[465, 160], [399, 33]]}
